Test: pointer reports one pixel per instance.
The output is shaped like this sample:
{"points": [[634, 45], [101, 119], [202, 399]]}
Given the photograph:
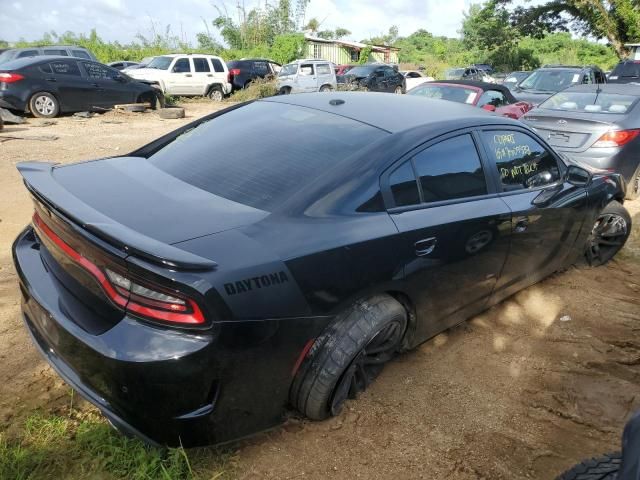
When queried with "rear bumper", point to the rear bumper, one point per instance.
{"points": [[12, 102], [162, 385]]}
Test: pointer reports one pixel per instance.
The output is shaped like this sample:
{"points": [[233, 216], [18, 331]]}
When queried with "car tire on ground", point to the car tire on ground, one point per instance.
{"points": [[284, 91], [171, 112], [44, 105], [216, 94], [602, 468], [608, 235], [348, 356], [398, 90], [326, 88], [633, 187], [1, 123]]}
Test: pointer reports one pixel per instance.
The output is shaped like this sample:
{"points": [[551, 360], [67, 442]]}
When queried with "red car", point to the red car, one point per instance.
{"points": [[490, 96], [342, 69]]}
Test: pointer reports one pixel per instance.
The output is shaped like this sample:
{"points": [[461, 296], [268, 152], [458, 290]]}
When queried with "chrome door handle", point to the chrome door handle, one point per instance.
{"points": [[425, 246], [188, 75]]}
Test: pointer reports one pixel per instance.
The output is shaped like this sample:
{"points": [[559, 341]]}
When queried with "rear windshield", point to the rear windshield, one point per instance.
{"points": [[263, 153], [6, 56], [626, 70], [446, 92], [590, 102]]}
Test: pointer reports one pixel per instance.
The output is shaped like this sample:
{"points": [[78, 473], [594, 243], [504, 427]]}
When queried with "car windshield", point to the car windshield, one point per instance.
{"points": [[550, 80], [516, 77], [247, 155], [360, 71], [161, 63], [623, 70], [591, 102], [289, 69], [452, 93]]}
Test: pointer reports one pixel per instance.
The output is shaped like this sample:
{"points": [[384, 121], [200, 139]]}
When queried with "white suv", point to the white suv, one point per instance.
{"points": [[306, 76], [187, 74]]}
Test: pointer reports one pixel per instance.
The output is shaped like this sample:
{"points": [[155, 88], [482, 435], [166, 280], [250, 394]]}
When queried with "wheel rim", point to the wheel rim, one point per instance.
{"points": [[216, 95], [368, 363], [607, 237], [398, 90], [44, 105]]}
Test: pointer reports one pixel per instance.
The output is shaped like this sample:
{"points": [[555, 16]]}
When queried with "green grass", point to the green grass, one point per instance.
{"points": [[83, 446]]}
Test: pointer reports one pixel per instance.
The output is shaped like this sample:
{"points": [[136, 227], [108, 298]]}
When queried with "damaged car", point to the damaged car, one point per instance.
{"points": [[194, 291]]}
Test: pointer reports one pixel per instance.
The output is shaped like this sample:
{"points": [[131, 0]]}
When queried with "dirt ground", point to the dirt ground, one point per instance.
{"points": [[512, 394]]}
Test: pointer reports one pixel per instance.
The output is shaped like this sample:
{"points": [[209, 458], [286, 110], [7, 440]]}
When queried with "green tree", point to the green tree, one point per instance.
{"points": [[313, 25], [341, 32], [618, 21]]}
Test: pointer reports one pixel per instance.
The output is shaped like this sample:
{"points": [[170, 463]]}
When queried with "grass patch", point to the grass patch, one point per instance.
{"points": [[258, 88], [83, 446]]}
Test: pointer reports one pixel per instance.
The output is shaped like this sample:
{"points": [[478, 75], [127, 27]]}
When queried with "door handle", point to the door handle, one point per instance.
{"points": [[187, 75], [425, 246], [51, 79], [521, 225], [209, 74]]}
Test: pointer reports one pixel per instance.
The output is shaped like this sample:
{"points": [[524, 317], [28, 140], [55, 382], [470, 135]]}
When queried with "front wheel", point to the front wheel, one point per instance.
{"points": [[398, 90], [44, 105], [608, 235], [348, 356], [326, 88]]}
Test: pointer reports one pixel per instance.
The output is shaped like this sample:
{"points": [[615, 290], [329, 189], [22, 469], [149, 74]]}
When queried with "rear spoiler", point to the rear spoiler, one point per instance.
{"points": [[39, 181]]}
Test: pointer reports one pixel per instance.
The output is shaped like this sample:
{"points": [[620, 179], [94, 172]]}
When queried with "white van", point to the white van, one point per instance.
{"points": [[306, 76]]}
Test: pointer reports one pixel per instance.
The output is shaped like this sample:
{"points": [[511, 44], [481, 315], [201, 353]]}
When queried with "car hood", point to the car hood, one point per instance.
{"points": [[145, 73], [137, 195]]}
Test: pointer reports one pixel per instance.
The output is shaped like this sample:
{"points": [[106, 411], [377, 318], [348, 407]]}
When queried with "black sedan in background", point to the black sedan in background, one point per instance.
{"points": [[375, 78], [47, 86], [194, 297], [598, 125], [243, 72]]}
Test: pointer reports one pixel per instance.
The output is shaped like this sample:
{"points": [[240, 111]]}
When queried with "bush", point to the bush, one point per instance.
{"points": [[258, 88]]}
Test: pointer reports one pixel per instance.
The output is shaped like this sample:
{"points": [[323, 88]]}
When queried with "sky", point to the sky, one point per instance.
{"points": [[122, 19]]}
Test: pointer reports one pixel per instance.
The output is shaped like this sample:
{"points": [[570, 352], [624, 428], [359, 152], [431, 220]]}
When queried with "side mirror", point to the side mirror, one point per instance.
{"points": [[488, 107], [578, 176]]}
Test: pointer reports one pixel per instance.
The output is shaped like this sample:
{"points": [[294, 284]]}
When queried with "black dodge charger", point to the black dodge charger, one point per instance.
{"points": [[279, 253]]}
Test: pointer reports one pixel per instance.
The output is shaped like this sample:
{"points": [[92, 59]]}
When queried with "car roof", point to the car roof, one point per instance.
{"points": [[393, 113], [173, 55], [618, 88], [23, 62], [484, 86]]}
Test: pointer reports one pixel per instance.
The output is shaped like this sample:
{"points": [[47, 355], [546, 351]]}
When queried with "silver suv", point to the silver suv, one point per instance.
{"points": [[58, 50], [306, 76]]}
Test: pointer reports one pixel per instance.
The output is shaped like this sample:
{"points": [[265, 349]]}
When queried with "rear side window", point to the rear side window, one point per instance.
{"points": [[64, 67], [247, 156], [324, 69], [217, 65], [81, 54], [201, 65], [450, 169], [28, 53], [45, 68], [404, 187], [182, 66], [53, 51], [520, 160]]}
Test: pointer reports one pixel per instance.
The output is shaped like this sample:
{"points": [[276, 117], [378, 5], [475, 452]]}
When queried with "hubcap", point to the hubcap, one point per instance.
{"points": [[607, 237], [216, 95], [44, 105], [367, 364], [398, 90]]}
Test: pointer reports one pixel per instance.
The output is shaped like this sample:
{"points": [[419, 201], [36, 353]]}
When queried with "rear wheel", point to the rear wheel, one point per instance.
{"points": [[601, 468], [608, 235], [348, 356], [44, 105], [398, 90], [216, 94], [633, 187]]}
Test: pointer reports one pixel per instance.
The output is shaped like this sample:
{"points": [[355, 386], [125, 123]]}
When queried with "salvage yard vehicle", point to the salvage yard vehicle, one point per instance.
{"points": [[192, 297], [413, 78], [375, 78], [514, 78], [551, 79], [598, 125], [55, 50], [187, 75], [243, 72], [47, 86], [489, 96], [305, 76]]}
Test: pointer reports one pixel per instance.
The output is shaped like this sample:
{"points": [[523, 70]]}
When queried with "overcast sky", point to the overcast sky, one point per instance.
{"points": [[123, 19]]}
